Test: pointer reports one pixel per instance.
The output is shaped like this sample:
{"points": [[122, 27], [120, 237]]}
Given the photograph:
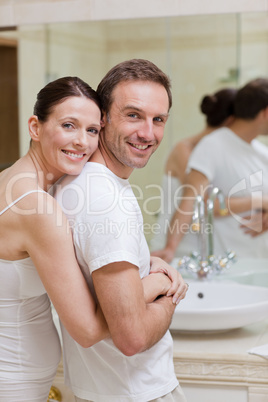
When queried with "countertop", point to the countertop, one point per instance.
{"points": [[222, 356]]}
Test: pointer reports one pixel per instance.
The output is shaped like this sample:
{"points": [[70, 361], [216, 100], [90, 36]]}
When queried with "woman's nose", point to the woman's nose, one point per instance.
{"points": [[81, 139]]}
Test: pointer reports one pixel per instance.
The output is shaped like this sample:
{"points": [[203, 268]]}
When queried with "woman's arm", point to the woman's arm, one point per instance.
{"points": [[180, 224], [176, 285], [47, 239], [155, 285], [239, 205], [175, 165]]}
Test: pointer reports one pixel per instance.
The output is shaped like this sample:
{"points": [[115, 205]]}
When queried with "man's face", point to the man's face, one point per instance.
{"points": [[135, 125]]}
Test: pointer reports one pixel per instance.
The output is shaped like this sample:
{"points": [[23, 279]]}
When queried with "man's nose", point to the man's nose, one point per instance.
{"points": [[146, 131]]}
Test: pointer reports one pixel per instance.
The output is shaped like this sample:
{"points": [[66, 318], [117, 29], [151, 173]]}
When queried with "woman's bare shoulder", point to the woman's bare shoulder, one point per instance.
{"points": [[178, 159]]}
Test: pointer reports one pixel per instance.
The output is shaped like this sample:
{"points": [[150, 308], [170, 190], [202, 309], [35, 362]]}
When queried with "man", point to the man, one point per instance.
{"points": [[136, 364], [233, 160]]}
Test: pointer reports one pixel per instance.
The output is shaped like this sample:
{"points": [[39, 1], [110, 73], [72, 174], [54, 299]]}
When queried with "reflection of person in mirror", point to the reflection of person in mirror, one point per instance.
{"points": [[233, 160], [37, 259], [218, 109], [136, 364]]}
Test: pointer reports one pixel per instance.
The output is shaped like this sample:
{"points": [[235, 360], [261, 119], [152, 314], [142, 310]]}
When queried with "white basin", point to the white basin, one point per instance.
{"points": [[220, 306], [247, 271]]}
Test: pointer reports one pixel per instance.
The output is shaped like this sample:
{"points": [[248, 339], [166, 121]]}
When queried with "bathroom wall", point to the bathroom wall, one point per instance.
{"points": [[200, 53], [20, 12]]}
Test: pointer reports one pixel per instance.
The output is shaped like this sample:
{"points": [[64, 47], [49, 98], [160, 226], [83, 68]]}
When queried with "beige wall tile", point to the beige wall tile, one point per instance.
{"points": [[37, 11]]}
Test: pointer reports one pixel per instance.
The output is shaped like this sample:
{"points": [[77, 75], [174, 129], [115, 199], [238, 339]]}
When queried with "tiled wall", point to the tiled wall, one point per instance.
{"points": [[13, 12], [200, 53]]}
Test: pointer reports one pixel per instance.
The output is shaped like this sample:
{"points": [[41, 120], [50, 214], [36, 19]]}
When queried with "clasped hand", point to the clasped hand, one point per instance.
{"points": [[178, 287]]}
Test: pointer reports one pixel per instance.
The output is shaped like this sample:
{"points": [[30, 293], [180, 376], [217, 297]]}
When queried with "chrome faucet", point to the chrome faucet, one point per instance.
{"points": [[198, 225], [201, 263], [215, 193]]}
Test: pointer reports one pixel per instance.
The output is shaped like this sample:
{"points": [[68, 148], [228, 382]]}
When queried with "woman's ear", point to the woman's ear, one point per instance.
{"points": [[33, 125], [228, 121]]}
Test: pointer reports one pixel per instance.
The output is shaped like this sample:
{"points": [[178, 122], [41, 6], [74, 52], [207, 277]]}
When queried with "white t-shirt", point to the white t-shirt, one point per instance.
{"points": [[238, 169], [108, 227]]}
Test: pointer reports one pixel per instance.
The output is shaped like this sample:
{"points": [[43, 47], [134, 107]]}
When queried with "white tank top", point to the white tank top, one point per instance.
{"points": [[30, 347]]}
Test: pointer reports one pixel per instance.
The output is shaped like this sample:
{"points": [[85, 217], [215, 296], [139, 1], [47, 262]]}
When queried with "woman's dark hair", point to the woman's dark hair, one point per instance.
{"points": [[218, 106], [251, 99], [57, 91], [131, 70]]}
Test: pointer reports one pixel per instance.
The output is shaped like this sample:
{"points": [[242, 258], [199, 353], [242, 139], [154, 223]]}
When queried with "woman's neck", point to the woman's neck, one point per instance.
{"points": [[45, 178]]}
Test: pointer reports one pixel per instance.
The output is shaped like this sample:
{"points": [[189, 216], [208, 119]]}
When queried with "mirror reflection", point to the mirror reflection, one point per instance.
{"points": [[201, 54]]}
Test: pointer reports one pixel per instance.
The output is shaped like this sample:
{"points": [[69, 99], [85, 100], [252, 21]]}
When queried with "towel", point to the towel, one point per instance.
{"points": [[260, 351]]}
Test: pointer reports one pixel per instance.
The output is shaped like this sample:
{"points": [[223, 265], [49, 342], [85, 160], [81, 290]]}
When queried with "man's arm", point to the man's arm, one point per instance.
{"points": [[134, 325]]}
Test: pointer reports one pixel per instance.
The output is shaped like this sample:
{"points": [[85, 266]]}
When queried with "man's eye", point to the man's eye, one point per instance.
{"points": [[134, 115], [159, 119]]}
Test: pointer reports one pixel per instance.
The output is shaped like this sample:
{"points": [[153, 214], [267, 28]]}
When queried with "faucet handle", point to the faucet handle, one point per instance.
{"points": [[231, 255], [196, 226], [223, 211]]}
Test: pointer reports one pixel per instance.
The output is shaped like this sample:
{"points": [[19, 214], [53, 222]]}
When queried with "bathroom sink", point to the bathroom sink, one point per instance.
{"points": [[247, 271], [220, 306]]}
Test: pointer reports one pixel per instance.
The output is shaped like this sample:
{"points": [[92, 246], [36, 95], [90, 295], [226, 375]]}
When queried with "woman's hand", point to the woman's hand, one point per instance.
{"points": [[178, 287]]}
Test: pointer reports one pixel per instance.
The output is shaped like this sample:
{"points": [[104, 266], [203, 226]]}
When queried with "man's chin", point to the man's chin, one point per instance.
{"points": [[140, 164]]}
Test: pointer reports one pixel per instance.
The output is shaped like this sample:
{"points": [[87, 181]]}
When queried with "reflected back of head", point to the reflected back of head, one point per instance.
{"points": [[251, 99], [219, 106]]}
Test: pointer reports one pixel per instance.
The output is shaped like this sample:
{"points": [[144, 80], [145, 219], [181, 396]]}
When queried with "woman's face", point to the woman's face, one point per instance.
{"points": [[69, 136]]}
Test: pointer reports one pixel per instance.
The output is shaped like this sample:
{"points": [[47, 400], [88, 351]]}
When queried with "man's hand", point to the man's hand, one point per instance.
{"points": [[178, 287], [255, 224]]}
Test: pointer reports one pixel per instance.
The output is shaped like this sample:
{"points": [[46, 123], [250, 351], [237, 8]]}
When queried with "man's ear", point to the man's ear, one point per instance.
{"points": [[33, 126], [104, 119]]}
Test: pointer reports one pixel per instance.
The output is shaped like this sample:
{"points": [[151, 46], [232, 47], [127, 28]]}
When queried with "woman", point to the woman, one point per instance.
{"points": [[218, 109], [36, 243]]}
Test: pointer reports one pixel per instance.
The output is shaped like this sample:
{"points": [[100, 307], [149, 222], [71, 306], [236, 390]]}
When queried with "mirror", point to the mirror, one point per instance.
{"points": [[200, 53]]}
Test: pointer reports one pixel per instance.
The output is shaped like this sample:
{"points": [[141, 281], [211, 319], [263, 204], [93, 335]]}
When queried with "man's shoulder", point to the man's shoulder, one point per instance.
{"points": [[92, 174], [95, 191]]}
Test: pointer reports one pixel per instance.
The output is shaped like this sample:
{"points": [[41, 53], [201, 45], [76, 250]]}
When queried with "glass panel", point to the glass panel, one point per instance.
{"points": [[200, 53]]}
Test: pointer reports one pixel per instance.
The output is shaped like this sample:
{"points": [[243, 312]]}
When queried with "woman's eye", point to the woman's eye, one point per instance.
{"points": [[67, 125], [93, 130]]}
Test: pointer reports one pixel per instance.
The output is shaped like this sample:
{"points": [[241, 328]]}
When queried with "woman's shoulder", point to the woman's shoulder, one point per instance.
{"points": [[22, 195]]}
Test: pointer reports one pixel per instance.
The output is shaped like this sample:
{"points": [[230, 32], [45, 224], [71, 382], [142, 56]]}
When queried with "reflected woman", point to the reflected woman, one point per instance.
{"points": [[218, 109]]}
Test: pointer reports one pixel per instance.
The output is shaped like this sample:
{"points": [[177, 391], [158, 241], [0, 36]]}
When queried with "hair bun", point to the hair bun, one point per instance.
{"points": [[208, 104]]}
